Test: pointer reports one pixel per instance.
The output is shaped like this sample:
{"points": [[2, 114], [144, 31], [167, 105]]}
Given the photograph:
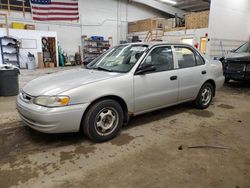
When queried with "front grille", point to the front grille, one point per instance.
{"points": [[236, 67], [248, 68]]}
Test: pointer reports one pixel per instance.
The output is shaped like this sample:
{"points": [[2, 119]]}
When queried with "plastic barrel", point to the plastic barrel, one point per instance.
{"points": [[9, 82], [31, 63]]}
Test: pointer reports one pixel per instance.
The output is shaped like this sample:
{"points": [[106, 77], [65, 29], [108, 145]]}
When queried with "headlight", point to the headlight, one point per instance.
{"points": [[51, 101]]}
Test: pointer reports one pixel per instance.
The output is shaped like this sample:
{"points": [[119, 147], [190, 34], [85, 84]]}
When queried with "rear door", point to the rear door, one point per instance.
{"points": [[192, 72]]}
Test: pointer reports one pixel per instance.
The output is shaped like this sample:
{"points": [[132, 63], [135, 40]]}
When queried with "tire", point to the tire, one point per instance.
{"points": [[103, 120], [227, 80], [205, 96]]}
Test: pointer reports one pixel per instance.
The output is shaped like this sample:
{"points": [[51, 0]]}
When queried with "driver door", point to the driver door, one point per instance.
{"points": [[158, 88]]}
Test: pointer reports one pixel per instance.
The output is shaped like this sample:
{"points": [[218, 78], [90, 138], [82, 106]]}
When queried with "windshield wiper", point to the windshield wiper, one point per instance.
{"points": [[104, 69]]}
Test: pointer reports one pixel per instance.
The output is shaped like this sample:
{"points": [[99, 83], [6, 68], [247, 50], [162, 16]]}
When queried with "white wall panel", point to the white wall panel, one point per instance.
{"points": [[229, 25]]}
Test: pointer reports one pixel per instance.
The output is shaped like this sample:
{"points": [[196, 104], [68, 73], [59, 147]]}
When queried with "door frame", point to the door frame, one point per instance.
{"points": [[150, 50]]}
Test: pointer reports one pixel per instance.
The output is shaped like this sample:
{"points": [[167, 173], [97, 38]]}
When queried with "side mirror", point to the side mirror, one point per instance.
{"points": [[233, 50], [145, 69]]}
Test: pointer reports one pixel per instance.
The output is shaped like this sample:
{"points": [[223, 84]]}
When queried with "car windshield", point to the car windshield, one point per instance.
{"points": [[245, 48], [119, 59]]}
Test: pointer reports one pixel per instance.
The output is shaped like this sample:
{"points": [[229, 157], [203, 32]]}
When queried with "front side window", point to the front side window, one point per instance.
{"points": [[186, 57], [161, 58], [119, 59]]}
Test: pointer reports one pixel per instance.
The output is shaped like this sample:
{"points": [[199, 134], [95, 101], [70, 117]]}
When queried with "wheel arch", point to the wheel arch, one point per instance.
{"points": [[116, 98]]}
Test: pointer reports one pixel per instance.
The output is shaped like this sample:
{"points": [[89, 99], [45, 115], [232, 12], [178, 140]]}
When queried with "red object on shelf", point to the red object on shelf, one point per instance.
{"points": [[196, 45]]}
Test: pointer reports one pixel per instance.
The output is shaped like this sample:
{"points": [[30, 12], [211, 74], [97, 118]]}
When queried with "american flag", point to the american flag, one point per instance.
{"points": [[54, 10]]}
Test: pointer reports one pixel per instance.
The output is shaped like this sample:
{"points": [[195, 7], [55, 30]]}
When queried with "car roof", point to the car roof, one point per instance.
{"points": [[151, 44]]}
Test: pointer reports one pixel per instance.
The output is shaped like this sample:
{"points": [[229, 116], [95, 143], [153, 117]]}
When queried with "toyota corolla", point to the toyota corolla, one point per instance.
{"points": [[125, 81]]}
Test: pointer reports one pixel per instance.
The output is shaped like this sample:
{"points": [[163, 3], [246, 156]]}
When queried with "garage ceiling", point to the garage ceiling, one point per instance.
{"points": [[176, 7], [190, 5]]}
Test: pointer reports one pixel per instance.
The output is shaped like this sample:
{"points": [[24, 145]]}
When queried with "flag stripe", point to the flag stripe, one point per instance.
{"points": [[56, 13], [53, 8], [55, 18], [57, 6], [63, 3], [60, 11]]}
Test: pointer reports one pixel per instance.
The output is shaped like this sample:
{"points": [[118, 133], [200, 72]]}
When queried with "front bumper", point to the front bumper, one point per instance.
{"points": [[51, 120], [237, 70], [237, 76]]}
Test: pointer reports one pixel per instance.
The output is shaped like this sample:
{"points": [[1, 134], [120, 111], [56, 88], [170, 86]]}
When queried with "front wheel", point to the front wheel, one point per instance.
{"points": [[103, 120], [205, 96]]}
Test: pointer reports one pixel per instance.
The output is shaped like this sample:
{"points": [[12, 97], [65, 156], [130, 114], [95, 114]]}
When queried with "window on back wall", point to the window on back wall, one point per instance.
{"points": [[15, 5]]}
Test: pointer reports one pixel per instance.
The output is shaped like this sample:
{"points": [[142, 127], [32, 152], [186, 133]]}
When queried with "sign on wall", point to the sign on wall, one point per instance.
{"points": [[29, 43]]}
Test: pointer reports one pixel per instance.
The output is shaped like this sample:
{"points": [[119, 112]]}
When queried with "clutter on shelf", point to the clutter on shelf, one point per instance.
{"points": [[93, 47], [10, 50]]}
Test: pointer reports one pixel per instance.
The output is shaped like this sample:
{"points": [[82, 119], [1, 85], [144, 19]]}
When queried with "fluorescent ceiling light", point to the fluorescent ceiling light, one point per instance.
{"points": [[172, 2]]}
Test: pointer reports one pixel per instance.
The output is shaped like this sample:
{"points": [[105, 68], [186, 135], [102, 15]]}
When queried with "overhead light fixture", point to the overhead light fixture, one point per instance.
{"points": [[172, 2]]}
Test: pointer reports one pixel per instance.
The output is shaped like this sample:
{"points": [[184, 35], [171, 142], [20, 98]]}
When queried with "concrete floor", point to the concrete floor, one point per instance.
{"points": [[152, 151]]}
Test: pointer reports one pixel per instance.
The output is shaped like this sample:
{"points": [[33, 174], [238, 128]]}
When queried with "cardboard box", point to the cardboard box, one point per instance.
{"points": [[40, 60], [30, 27], [46, 64], [3, 26], [197, 20], [17, 25], [147, 24], [51, 64]]}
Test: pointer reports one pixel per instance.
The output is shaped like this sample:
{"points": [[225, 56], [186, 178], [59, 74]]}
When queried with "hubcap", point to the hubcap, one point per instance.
{"points": [[206, 96], [106, 121]]}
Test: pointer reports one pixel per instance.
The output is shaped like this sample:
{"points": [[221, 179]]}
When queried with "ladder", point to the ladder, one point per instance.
{"points": [[154, 35]]}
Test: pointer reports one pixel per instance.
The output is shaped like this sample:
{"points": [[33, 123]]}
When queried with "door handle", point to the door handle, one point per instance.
{"points": [[173, 78], [204, 72]]}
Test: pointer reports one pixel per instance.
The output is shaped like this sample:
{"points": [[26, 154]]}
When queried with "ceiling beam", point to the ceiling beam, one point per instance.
{"points": [[162, 7], [196, 4]]}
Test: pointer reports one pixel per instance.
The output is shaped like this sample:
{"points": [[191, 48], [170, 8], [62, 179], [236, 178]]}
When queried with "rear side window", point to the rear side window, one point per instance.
{"points": [[161, 58], [186, 57]]}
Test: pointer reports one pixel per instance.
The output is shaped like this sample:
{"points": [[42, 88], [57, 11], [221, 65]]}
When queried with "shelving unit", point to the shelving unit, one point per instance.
{"points": [[93, 48], [9, 51]]}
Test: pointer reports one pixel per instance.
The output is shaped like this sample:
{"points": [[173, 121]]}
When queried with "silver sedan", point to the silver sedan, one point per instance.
{"points": [[125, 81]]}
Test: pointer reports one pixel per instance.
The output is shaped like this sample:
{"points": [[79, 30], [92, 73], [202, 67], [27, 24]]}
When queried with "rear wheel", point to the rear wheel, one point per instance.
{"points": [[205, 96], [103, 120]]}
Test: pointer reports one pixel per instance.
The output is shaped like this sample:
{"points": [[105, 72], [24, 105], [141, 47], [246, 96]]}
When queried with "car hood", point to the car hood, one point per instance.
{"points": [[59, 82], [238, 57]]}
